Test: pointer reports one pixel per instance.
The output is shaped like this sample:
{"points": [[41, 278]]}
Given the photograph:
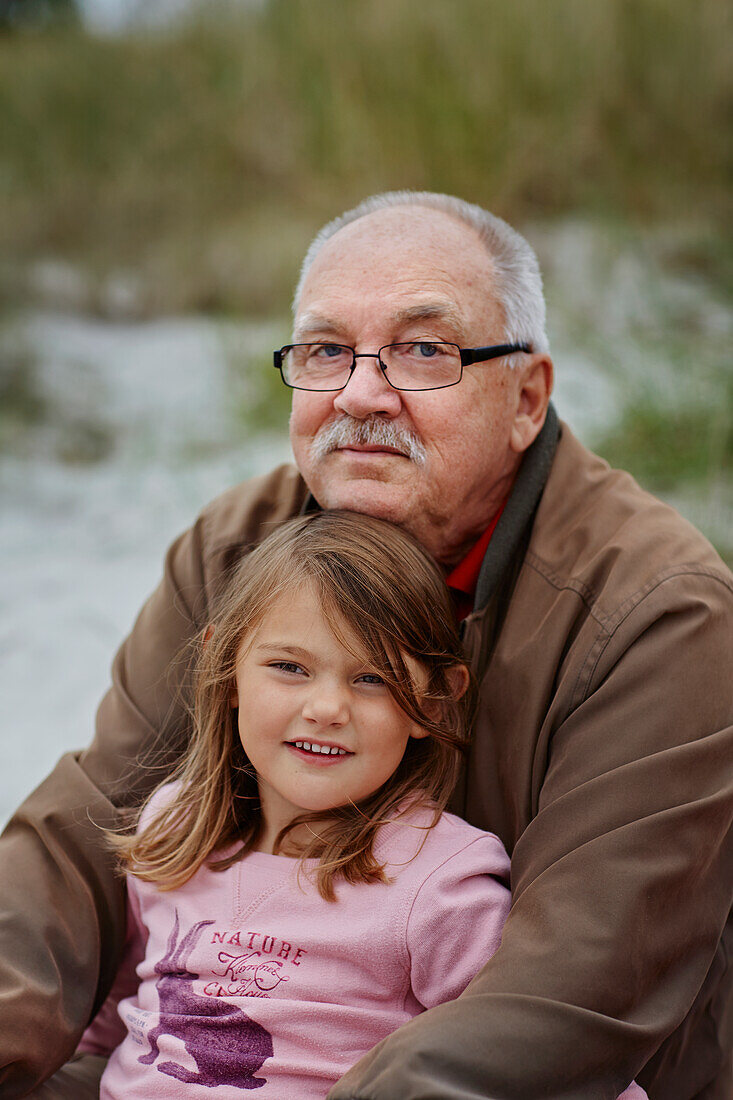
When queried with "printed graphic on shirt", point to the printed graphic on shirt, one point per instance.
{"points": [[231, 1047], [254, 964]]}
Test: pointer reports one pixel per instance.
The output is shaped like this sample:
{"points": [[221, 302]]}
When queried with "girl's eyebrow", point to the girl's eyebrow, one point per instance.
{"points": [[282, 647]]}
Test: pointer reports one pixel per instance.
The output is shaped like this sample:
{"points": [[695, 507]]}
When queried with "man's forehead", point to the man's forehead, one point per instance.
{"points": [[427, 309], [404, 235], [403, 220], [398, 265]]}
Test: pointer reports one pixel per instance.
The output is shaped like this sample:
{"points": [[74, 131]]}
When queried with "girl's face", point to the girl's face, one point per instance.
{"points": [[319, 726]]}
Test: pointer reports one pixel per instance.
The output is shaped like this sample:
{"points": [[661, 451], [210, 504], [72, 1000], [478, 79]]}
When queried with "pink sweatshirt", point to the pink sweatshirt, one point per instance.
{"points": [[248, 979]]}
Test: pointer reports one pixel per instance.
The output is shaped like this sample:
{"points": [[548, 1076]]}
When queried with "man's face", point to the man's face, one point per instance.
{"points": [[402, 274]]}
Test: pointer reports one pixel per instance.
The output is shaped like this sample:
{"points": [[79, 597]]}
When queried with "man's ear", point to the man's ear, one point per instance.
{"points": [[535, 387]]}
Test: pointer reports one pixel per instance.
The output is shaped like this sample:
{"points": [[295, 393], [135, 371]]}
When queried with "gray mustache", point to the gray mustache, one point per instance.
{"points": [[374, 431]]}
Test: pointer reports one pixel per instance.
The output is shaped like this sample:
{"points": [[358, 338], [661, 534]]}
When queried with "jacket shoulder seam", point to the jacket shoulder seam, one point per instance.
{"points": [[619, 613], [636, 599], [562, 584], [609, 624]]}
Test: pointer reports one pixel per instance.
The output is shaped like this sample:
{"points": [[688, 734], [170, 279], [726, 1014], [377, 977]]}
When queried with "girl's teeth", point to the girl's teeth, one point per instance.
{"points": [[323, 749]]}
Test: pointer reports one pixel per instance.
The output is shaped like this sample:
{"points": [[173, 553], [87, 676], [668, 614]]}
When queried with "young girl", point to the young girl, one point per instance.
{"points": [[297, 893]]}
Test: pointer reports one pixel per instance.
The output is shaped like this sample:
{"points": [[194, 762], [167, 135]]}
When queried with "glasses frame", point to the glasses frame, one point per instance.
{"points": [[467, 355]]}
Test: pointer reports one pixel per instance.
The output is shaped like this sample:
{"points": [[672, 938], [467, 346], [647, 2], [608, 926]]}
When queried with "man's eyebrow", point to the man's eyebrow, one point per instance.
{"points": [[314, 322], [429, 311]]}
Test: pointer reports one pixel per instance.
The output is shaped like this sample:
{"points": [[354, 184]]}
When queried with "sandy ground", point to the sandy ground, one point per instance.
{"points": [[83, 545]]}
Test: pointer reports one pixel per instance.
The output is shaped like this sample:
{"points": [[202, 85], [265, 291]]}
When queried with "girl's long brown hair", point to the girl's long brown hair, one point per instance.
{"points": [[376, 584]]}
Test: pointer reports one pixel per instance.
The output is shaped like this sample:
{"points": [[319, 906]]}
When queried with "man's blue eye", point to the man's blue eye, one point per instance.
{"points": [[332, 350], [427, 350]]}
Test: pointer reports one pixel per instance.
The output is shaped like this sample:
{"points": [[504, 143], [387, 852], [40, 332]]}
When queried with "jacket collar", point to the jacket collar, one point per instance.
{"points": [[516, 519]]}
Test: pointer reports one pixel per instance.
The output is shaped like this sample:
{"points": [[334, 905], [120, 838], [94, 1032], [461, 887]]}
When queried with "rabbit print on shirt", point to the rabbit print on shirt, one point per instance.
{"points": [[229, 1049]]}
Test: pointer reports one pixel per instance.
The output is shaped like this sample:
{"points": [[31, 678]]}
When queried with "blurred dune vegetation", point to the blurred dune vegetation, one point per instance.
{"points": [[203, 157], [200, 158]]}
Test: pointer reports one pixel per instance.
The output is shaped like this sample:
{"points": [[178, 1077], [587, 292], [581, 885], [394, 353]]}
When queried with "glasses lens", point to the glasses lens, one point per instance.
{"points": [[423, 365], [317, 366]]}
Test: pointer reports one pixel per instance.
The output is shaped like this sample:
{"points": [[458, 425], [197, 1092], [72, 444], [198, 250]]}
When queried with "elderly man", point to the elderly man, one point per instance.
{"points": [[597, 622]]}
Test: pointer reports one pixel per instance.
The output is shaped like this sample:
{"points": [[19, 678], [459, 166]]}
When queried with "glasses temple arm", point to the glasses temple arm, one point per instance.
{"points": [[481, 355]]}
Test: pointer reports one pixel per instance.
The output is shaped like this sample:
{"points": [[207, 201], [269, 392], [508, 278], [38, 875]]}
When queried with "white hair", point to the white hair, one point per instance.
{"points": [[519, 280]]}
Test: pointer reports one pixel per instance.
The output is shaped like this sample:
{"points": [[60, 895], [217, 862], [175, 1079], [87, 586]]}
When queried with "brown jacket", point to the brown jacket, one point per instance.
{"points": [[603, 757]]}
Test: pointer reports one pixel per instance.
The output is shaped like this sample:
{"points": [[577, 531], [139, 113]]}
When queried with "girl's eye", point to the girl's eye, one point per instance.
{"points": [[286, 666], [370, 678]]}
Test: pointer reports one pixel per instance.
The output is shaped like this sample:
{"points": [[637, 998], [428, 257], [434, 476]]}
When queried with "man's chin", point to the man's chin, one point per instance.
{"points": [[399, 505], [370, 496], [354, 464]]}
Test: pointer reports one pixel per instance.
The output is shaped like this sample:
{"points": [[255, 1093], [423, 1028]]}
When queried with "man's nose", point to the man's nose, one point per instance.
{"points": [[327, 705], [368, 393]]}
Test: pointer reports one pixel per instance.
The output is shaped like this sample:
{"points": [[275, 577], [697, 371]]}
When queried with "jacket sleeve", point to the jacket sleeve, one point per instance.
{"points": [[62, 913], [622, 881], [106, 1031]]}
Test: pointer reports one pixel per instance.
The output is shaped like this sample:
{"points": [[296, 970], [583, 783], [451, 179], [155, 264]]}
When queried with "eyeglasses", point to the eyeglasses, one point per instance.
{"points": [[417, 365]]}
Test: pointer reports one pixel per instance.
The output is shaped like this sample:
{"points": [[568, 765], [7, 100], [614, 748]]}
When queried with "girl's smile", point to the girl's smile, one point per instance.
{"points": [[321, 754], [320, 727]]}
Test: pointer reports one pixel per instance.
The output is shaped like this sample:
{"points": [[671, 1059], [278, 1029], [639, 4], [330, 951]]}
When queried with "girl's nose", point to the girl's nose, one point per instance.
{"points": [[326, 705]]}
